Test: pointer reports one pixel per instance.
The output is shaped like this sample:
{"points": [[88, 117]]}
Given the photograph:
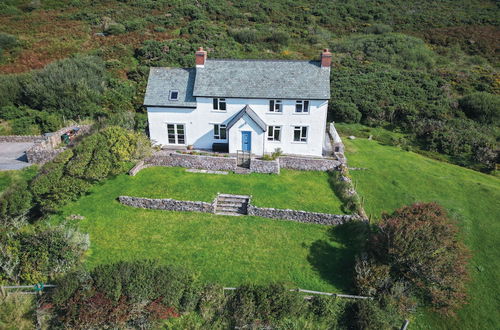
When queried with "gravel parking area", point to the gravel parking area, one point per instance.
{"points": [[12, 156]]}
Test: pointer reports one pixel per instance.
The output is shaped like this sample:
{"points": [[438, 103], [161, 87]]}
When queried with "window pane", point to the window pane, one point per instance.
{"points": [[277, 131], [296, 134], [216, 103], [216, 130], [222, 104], [271, 105], [278, 106], [306, 106], [223, 132], [298, 106]]}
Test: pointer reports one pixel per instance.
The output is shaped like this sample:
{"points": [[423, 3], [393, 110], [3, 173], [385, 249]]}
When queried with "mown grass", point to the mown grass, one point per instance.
{"points": [[224, 249], [395, 178]]}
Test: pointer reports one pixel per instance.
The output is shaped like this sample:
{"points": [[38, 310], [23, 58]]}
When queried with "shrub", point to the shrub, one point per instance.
{"points": [[345, 112], [379, 29], [7, 41], [245, 36], [483, 107], [279, 37], [115, 28], [421, 245], [15, 204]]}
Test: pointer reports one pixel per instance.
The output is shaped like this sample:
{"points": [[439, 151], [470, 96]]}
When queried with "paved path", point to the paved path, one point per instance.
{"points": [[12, 156]]}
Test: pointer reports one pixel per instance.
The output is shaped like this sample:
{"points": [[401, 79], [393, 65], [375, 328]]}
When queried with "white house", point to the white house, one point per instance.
{"points": [[243, 105]]}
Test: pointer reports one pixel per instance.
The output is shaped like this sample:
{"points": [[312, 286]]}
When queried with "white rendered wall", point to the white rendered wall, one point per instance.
{"points": [[199, 125]]}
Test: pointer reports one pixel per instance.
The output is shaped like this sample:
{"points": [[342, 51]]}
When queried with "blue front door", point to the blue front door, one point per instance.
{"points": [[246, 141]]}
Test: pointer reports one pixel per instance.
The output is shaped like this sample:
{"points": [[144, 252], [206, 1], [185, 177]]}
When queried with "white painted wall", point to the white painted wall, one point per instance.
{"points": [[199, 125]]}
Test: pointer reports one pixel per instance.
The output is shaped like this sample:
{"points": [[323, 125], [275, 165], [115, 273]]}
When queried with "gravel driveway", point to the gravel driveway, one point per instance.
{"points": [[12, 156]]}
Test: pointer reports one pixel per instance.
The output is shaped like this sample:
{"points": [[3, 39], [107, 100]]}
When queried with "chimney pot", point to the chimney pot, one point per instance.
{"points": [[326, 58], [201, 56]]}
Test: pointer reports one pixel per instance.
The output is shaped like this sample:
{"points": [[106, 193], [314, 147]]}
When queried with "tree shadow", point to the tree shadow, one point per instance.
{"points": [[335, 264]]}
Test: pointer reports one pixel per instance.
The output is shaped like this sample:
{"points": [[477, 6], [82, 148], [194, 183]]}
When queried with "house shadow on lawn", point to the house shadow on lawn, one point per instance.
{"points": [[336, 264]]}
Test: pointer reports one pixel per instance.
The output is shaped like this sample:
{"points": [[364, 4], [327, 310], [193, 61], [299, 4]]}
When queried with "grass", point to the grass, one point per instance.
{"points": [[223, 249], [301, 190], [395, 178], [7, 177]]}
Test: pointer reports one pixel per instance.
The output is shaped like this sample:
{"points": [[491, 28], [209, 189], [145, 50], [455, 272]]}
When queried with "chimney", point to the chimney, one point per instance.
{"points": [[326, 58], [201, 56]]}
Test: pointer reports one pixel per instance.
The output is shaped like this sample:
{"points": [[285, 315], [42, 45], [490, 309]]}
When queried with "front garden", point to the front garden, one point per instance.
{"points": [[222, 249]]}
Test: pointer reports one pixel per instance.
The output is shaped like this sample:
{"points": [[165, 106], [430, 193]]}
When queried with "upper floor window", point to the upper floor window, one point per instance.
{"points": [[274, 133], [220, 104], [275, 106], [173, 95], [300, 133], [302, 106], [220, 132]]}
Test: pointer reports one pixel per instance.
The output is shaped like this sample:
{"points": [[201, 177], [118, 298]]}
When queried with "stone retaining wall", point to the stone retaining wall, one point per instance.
{"points": [[167, 204], [22, 138], [338, 145], [265, 166], [41, 156], [301, 216], [168, 158], [308, 164]]}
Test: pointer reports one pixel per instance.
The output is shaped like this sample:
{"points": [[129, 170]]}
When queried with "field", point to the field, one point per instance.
{"points": [[227, 250], [395, 178]]}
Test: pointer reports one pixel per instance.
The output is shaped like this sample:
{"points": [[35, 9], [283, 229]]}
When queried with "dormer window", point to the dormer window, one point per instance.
{"points": [[173, 95]]}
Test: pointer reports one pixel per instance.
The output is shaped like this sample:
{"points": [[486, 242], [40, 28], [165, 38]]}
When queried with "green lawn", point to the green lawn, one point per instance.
{"points": [[228, 250], [395, 178], [6, 177], [301, 190]]}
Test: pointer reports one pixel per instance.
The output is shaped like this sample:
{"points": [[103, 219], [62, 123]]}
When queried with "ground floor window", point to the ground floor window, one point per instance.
{"points": [[220, 132], [300, 133], [176, 134], [274, 133]]}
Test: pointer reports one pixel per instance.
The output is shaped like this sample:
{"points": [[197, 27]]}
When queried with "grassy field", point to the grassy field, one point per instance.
{"points": [[227, 250], [395, 178], [6, 177]]}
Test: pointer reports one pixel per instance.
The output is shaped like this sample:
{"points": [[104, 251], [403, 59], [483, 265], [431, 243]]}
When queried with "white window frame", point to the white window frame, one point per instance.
{"points": [[217, 102], [275, 106], [170, 98], [303, 137], [304, 106], [271, 133], [217, 131], [176, 134]]}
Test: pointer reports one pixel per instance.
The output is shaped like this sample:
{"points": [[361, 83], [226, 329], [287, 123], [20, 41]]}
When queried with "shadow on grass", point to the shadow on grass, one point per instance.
{"points": [[336, 264]]}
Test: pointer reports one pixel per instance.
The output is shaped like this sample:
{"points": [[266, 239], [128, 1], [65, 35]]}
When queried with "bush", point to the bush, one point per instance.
{"points": [[245, 36], [483, 107], [346, 112], [15, 204], [379, 29], [40, 256], [115, 28], [421, 245], [7, 41], [279, 37]]}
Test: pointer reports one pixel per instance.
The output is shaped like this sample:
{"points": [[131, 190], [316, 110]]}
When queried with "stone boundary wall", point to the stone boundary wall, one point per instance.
{"points": [[168, 158], [167, 204], [197, 206], [338, 145], [308, 164], [265, 166], [45, 150], [301, 216], [22, 138]]}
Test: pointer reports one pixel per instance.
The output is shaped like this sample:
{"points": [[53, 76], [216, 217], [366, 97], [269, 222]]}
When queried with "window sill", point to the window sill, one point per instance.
{"points": [[299, 142], [273, 141], [219, 111], [300, 113], [273, 113]]}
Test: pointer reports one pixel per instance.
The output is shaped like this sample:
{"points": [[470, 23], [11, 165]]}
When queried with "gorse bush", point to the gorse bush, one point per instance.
{"points": [[483, 107], [40, 256]]}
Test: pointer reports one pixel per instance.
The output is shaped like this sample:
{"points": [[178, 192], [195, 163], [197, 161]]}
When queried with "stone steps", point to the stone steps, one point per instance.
{"points": [[231, 204]]}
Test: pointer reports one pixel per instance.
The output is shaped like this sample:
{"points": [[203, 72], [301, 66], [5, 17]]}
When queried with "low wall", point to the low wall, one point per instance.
{"points": [[167, 204], [301, 216], [22, 138], [308, 164], [166, 158], [265, 166], [41, 156]]}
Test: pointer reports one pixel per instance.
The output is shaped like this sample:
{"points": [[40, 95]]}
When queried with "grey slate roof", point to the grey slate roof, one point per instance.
{"points": [[263, 79], [247, 111], [162, 80]]}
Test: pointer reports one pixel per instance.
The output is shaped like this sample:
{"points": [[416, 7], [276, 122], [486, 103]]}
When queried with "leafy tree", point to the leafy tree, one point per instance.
{"points": [[421, 246]]}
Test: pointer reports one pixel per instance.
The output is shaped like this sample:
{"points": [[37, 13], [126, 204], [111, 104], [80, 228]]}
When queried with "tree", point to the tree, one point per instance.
{"points": [[421, 246]]}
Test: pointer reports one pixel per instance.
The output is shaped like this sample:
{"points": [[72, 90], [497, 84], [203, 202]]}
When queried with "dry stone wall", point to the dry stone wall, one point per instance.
{"points": [[265, 166], [301, 216], [308, 164], [169, 158], [22, 138], [167, 204]]}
